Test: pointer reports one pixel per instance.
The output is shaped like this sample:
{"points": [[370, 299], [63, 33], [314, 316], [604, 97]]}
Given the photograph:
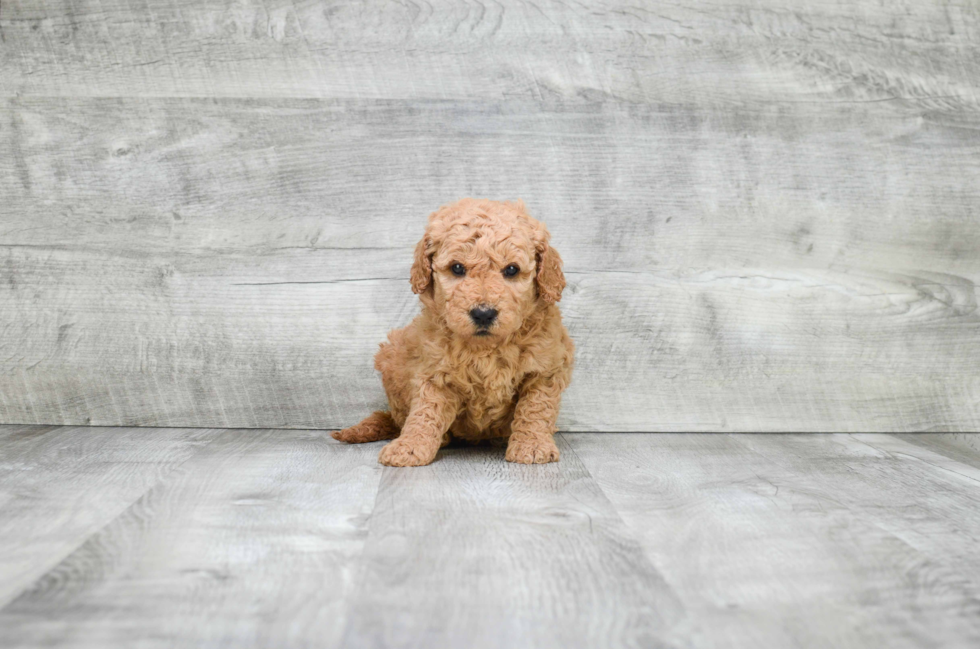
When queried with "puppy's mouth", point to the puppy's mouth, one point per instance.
{"points": [[482, 332]]}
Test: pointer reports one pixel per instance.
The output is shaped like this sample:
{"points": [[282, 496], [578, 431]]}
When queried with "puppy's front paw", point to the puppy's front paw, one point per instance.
{"points": [[404, 452], [535, 450]]}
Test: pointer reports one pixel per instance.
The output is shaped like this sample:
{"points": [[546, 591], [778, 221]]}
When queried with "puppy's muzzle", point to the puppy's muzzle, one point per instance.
{"points": [[483, 316]]}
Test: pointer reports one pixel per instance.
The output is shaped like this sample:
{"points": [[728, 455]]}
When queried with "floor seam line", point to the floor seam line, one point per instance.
{"points": [[101, 528]]}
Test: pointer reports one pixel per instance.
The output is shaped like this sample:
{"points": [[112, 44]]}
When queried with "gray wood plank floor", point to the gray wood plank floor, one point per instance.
{"points": [[286, 538]]}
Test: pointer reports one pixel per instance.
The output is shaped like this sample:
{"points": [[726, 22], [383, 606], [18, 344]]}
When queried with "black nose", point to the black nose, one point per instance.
{"points": [[483, 316]]}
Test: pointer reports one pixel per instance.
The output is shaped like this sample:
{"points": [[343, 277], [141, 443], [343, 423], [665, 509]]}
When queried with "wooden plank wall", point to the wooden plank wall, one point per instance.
{"points": [[769, 211]]}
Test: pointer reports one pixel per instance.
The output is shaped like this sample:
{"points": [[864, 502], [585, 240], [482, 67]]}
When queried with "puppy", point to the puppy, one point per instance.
{"points": [[488, 355]]}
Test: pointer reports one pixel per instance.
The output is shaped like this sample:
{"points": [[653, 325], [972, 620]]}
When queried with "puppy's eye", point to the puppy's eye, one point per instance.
{"points": [[458, 269], [511, 270]]}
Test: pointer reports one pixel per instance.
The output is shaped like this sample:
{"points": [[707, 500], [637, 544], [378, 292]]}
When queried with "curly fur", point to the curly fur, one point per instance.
{"points": [[442, 379]]}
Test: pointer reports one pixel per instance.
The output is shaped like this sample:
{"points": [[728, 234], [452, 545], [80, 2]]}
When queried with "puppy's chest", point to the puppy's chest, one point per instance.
{"points": [[488, 383]]}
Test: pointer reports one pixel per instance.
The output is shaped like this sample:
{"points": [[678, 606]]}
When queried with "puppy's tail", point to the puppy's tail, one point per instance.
{"points": [[377, 425]]}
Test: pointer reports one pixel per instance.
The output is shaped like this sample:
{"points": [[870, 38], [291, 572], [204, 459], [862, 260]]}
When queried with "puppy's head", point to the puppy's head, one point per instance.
{"points": [[483, 266]]}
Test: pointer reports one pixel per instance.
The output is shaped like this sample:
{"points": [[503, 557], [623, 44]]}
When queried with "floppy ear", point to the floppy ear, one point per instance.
{"points": [[421, 275], [551, 281]]}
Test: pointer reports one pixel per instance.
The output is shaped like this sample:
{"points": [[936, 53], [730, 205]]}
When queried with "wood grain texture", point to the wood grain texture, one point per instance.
{"points": [[472, 551], [266, 538], [965, 447], [802, 541], [693, 53], [182, 296], [249, 544], [58, 486], [879, 476], [768, 213]]}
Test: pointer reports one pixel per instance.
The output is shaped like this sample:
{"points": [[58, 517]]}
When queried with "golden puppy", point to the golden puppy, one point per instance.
{"points": [[488, 356]]}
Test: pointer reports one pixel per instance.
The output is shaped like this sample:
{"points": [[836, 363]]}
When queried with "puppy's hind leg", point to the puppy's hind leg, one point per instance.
{"points": [[376, 426]]}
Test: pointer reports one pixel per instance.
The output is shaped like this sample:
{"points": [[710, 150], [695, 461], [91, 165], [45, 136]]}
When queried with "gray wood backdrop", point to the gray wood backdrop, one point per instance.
{"points": [[769, 210]]}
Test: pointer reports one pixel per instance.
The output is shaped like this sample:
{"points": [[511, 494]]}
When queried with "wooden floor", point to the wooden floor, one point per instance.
{"points": [[135, 537]]}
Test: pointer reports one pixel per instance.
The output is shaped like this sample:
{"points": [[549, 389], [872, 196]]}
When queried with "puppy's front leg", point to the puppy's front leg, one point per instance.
{"points": [[532, 437], [429, 418]]}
